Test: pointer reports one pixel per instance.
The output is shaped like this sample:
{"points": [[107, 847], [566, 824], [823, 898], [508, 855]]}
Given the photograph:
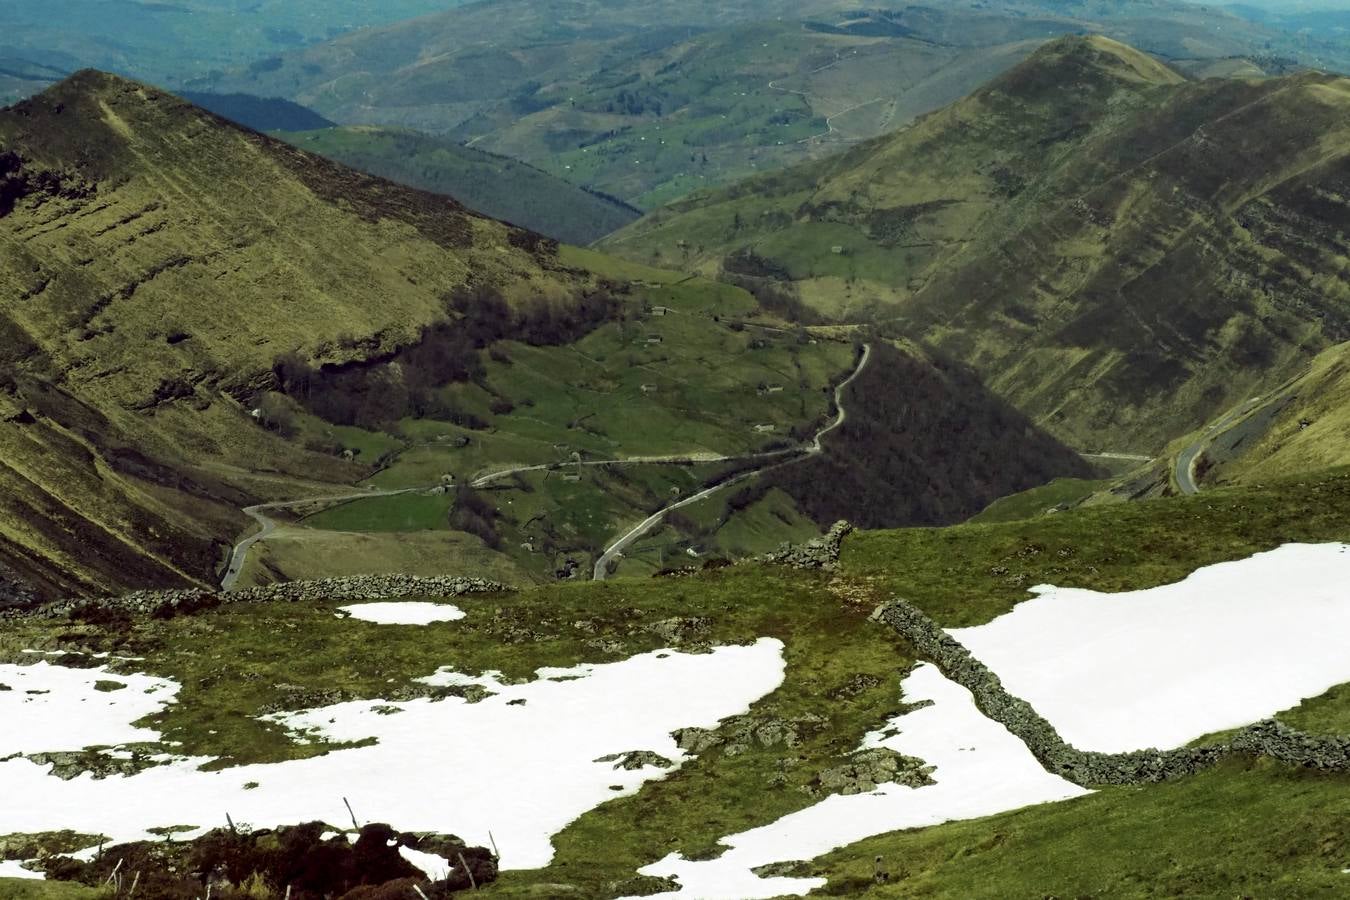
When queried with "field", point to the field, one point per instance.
{"points": [[299, 554]]}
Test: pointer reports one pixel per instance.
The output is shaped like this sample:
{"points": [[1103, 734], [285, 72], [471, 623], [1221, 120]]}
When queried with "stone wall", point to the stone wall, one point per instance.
{"points": [[352, 589], [819, 553], [1268, 738]]}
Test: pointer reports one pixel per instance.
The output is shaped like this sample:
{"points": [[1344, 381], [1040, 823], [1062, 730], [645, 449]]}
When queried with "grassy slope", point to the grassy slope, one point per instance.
{"points": [[1210, 834], [298, 554], [493, 185], [180, 257], [1105, 197], [1035, 502], [1309, 431], [1240, 830]]}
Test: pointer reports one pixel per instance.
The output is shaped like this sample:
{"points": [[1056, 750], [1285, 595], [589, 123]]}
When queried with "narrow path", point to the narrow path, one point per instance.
{"points": [[615, 550]]}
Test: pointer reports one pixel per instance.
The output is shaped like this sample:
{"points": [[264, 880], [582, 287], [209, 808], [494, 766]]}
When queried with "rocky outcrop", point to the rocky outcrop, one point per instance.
{"points": [[867, 769], [637, 759], [1269, 738], [821, 553], [350, 589]]}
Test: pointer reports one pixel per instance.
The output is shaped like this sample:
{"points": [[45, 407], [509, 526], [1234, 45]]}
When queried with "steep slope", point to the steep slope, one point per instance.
{"points": [[155, 262], [1303, 426], [924, 444], [493, 185], [1119, 252]]}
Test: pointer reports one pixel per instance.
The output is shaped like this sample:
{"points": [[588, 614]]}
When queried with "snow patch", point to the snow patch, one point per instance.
{"points": [[408, 613], [13, 868], [55, 709], [981, 769], [520, 770], [436, 868], [1231, 644]]}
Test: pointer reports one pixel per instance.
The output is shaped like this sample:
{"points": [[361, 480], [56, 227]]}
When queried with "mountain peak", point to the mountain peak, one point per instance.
{"points": [[1089, 58]]}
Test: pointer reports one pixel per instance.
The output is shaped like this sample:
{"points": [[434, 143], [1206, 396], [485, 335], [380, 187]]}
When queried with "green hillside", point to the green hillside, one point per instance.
{"points": [[186, 337], [649, 101], [490, 184], [1120, 252], [155, 264]]}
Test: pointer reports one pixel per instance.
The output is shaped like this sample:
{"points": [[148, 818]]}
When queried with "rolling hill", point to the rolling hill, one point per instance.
{"points": [[598, 94], [490, 184], [1119, 251]]}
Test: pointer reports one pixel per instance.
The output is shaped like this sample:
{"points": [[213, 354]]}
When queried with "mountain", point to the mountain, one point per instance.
{"points": [[1120, 252], [648, 101], [155, 262], [490, 184], [198, 317]]}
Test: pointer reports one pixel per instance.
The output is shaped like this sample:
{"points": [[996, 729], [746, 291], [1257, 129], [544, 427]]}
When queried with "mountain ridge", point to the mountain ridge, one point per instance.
{"points": [[1050, 231]]}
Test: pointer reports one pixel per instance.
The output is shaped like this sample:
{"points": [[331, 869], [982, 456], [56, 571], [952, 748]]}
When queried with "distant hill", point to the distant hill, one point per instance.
{"points": [[650, 100], [1120, 252], [172, 42], [258, 113], [493, 185]]}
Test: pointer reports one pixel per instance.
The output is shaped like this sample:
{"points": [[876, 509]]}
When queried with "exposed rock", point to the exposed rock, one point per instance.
{"points": [[44, 844], [869, 768], [820, 553], [641, 886], [637, 759]]}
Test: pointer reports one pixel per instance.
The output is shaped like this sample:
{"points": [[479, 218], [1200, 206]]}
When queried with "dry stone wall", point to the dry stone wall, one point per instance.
{"points": [[349, 589], [1269, 738]]}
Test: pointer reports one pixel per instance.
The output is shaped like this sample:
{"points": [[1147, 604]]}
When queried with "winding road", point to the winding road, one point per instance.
{"points": [[1187, 458], [615, 550], [267, 526]]}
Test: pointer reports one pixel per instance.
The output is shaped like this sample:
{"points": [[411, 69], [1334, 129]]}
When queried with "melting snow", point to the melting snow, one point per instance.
{"points": [[404, 613], [52, 708], [521, 770], [1231, 644], [14, 869], [982, 769]]}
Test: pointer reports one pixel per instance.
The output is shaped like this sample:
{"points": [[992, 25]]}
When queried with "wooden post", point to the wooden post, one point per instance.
{"points": [[467, 871], [352, 814]]}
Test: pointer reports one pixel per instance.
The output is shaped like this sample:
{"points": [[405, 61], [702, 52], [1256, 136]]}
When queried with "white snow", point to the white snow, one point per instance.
{"points": [[981, 769], [1231, 644], [404, 613], [13, 868], [52, 708], [522, 771], [436, 868]]}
